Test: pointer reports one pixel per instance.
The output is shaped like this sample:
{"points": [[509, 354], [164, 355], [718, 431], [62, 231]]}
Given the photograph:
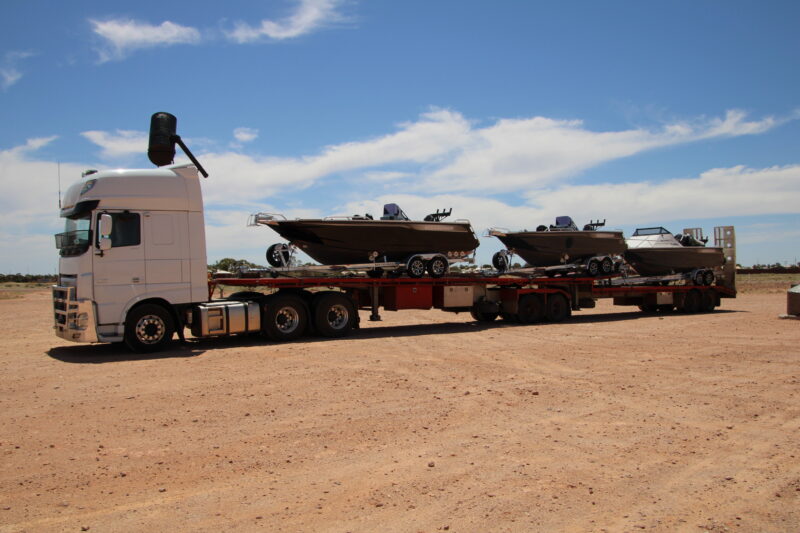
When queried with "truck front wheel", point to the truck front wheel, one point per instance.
{"points": [[149, 328]]}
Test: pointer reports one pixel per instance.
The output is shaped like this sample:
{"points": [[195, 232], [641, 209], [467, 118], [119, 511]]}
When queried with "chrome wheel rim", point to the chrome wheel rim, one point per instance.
{"points": [[287, 319], [338, 316], [150, 329]]}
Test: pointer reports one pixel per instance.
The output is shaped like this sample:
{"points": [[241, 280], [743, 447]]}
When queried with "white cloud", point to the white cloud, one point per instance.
{"points": [[123, 143], [123, 36], [29, 207], [245, 135], [310, 15], [447, 153], [522, 153], [9, 72]]}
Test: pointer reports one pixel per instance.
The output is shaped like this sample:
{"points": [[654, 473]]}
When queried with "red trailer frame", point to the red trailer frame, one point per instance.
{"points": [[518, 298]]}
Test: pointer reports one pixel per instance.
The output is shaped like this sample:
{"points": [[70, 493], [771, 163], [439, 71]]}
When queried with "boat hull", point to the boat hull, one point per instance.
{"points": [[337, 242], [673, 260], [549, 248]]}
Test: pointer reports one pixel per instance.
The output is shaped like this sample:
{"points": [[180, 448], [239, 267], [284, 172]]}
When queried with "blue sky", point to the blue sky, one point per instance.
{"points": [[681, 114]]}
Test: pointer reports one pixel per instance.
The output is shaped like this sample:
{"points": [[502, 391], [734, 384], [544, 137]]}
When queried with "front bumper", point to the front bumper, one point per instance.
{"points": [[74, 320]]}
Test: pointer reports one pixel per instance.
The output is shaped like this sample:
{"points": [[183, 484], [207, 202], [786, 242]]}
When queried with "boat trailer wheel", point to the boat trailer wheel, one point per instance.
{"points": [[438, 266], [416, 267]]}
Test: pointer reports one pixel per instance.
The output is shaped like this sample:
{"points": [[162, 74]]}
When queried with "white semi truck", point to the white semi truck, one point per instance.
{"points": [[133, 269]]}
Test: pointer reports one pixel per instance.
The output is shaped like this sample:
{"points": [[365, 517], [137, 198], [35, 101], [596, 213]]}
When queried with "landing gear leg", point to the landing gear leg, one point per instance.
{"points": [[375, 294]]}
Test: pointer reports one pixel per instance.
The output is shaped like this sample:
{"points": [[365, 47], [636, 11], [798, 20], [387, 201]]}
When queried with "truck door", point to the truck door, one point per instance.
{"points": [[166, 250], [119, 272]]}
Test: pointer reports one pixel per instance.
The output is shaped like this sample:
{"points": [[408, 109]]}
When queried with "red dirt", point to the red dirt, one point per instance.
{"points": [[611, 421]]}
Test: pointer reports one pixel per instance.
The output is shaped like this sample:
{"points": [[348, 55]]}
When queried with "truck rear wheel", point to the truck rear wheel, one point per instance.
{"points": [[334, 315], [148, 328], [285, 318]]}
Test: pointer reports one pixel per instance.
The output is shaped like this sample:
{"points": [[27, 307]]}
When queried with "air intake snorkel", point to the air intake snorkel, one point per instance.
{"points": [[163, 136]]}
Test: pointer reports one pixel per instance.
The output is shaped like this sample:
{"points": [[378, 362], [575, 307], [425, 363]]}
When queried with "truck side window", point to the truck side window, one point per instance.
{"points": [[126, 230]]}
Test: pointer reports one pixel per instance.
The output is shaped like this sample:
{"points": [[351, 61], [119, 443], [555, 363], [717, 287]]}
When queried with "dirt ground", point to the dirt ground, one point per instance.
{"points": [[612, 421]]}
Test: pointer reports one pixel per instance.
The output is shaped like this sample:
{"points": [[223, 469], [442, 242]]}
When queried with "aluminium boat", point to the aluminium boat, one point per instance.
{"points": [[360, 239], [656, 252], [562, 243]]}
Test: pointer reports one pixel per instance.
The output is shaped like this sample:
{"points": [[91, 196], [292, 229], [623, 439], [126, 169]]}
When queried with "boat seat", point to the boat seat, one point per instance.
{"points": [[393, 212], [564, 224]]}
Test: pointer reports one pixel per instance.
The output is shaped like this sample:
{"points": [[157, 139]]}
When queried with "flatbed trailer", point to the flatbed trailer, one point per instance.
{"points": [[293, 305]]}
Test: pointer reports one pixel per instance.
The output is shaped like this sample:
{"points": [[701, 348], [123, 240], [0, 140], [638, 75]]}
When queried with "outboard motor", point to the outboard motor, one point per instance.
{"points": [[163, 136]]}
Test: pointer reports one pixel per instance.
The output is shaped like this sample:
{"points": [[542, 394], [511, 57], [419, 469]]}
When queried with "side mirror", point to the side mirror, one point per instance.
{"points": [[104, 227]]}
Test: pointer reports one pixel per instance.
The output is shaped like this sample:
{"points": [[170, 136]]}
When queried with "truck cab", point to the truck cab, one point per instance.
{"points": [[133, 244]]}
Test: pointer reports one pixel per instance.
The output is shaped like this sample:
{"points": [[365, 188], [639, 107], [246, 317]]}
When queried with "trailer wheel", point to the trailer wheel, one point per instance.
{"points": [[334, 315], [708, 301], [557, 307], [513, 318], [593, 267], [482, 316], [415, 267], [607, 266], [284, 319], [708, 277], [648, 308], [691, 302], [148, 328], [438, 266], [530, 309], [278, 255]]}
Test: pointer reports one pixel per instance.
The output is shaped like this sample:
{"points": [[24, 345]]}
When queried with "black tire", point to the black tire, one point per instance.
{"points": [[593, 267], [334, 314], [284, 318], [415, 267], [698, 278], [709, 278], [278, 255], [557, 307], [510, 317], [691, 302], [531, 309], [481, 316], [500, 262], [708, 301], [607, 266], [665, 308], [149, 328], [438, 266], [648, 308]]}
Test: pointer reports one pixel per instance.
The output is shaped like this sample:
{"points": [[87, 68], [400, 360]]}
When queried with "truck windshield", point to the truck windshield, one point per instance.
{"points": [[76, 236]]}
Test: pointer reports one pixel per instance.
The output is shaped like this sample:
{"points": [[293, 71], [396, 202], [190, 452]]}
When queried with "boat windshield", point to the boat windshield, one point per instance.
{"points": [[76, 236], [651, 231]]}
